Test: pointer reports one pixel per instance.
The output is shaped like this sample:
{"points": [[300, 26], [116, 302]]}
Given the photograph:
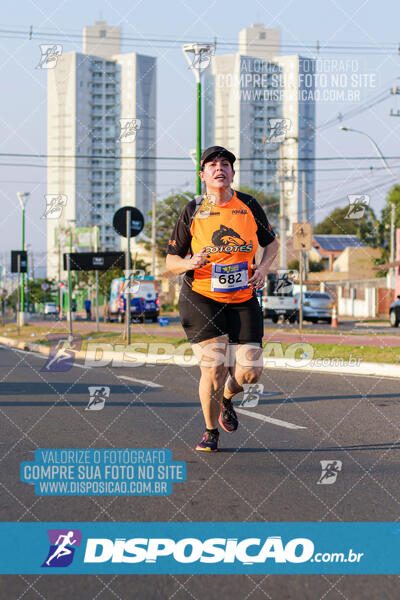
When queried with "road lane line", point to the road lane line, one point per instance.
{"points": [[148, 383], [269, 419]]}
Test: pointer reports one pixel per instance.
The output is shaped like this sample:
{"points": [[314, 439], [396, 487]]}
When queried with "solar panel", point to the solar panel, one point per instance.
{"points": [[337, 242]]}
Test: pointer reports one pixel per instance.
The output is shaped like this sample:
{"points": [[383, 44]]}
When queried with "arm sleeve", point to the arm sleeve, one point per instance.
{"points": [[265, 233], [181, 238]]}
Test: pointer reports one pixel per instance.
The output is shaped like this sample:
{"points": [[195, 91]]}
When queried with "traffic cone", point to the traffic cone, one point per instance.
{"points": [[334, 321]]}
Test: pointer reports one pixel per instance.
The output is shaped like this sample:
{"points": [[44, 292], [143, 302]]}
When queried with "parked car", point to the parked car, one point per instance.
{"points": [[394, 313], [145, 303], [50, 308], [317, 306]]}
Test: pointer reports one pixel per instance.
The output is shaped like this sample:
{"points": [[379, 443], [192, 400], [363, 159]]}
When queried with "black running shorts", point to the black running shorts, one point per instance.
{"points": [[204, 318]]}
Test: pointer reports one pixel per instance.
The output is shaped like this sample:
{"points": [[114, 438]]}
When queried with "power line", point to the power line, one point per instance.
{"points": [[174, 170], [185, 158], [356, 111], [159, 42]]}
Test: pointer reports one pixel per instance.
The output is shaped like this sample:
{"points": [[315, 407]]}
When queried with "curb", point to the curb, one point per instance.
{"points": [[139, 359]]}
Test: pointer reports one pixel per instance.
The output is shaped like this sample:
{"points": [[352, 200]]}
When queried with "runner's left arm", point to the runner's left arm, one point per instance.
{"points": [[261, 270], [267, 240]]}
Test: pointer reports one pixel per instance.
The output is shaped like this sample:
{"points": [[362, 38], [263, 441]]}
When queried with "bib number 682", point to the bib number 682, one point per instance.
{"points": [[230, 278]]}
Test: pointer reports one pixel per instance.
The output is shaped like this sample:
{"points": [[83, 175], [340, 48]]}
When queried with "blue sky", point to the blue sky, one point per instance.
{"points": [[346, 23]]}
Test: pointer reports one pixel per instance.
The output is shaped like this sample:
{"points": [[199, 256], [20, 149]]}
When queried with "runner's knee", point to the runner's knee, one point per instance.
{"points": [[214, 375], [251, 375]]}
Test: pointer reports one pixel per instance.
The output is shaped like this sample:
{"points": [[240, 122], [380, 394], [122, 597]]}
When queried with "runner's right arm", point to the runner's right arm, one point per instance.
{"points": [[180, 245], [176, 264]]}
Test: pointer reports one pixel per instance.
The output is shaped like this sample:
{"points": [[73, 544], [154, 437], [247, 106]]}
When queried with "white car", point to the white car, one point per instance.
{"points": [[50, 308]]}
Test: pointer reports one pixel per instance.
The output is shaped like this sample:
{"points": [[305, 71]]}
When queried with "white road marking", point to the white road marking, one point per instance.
{"points": [[148, 383], [269, 419]]}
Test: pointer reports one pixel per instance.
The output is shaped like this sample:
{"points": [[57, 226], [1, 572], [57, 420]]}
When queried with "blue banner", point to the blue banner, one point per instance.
{"points": [[194, 548]]}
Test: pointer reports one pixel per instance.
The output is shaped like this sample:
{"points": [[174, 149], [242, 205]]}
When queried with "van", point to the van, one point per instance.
{"points": [[278, 300], [145, 303]]}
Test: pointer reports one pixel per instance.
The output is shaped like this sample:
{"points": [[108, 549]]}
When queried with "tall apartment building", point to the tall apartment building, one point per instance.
{"points": [[99, 162], [244, 95]]}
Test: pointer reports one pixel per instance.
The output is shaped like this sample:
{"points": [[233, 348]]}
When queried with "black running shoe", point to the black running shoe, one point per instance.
{"points": [[228, 418], [209, 442]]}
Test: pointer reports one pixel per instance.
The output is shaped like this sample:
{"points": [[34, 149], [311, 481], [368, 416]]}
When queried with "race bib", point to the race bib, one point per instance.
{"points": [[229, 278]]}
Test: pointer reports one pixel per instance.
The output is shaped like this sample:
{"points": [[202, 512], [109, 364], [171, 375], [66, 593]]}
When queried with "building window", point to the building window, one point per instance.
{"points": [[262, 35]]}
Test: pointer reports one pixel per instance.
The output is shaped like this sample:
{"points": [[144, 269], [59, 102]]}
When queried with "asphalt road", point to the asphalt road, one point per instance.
{"points": [[266, 471]]}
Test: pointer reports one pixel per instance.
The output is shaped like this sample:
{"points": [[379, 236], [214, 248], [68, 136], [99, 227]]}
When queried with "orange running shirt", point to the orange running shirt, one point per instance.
{"points": [[231, 235]]}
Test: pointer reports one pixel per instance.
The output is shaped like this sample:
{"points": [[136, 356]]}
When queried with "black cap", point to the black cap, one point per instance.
{"points": [[214, 151]]}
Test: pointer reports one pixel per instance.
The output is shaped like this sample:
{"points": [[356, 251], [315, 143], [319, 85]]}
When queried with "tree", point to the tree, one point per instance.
{"points": [[393, 197], [269, 203], [367, 228], [167, 213]]}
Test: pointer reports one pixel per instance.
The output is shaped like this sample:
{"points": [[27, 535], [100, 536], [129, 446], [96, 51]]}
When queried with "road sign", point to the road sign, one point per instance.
{"points": [[23, 261], [94, 261], [45, 286], [302, 236], [137, 221]]}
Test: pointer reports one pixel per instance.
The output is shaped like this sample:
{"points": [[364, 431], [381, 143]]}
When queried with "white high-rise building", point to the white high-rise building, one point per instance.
{"points": [[101, 136], [256, 103]]}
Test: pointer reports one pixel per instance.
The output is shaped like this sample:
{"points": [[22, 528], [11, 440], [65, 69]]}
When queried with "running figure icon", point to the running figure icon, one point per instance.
{"points": [[62, 549]]}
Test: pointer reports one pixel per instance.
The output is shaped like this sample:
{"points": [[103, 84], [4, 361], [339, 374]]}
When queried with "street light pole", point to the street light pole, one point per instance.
{"points": [[198, 57], [23, 199], [393, 208]]}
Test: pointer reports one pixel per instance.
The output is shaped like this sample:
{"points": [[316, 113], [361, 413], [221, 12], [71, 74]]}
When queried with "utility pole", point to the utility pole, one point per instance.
{"points": [[304, 217], [153, 235], [282, 217], [60, 297], [282, 204], [23, 199], [128, 268], [96, 237], [393, 235]]}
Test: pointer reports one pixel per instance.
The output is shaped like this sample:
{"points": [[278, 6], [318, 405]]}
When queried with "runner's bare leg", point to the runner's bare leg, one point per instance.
{"points": [[247, 368], [211, 357]]}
